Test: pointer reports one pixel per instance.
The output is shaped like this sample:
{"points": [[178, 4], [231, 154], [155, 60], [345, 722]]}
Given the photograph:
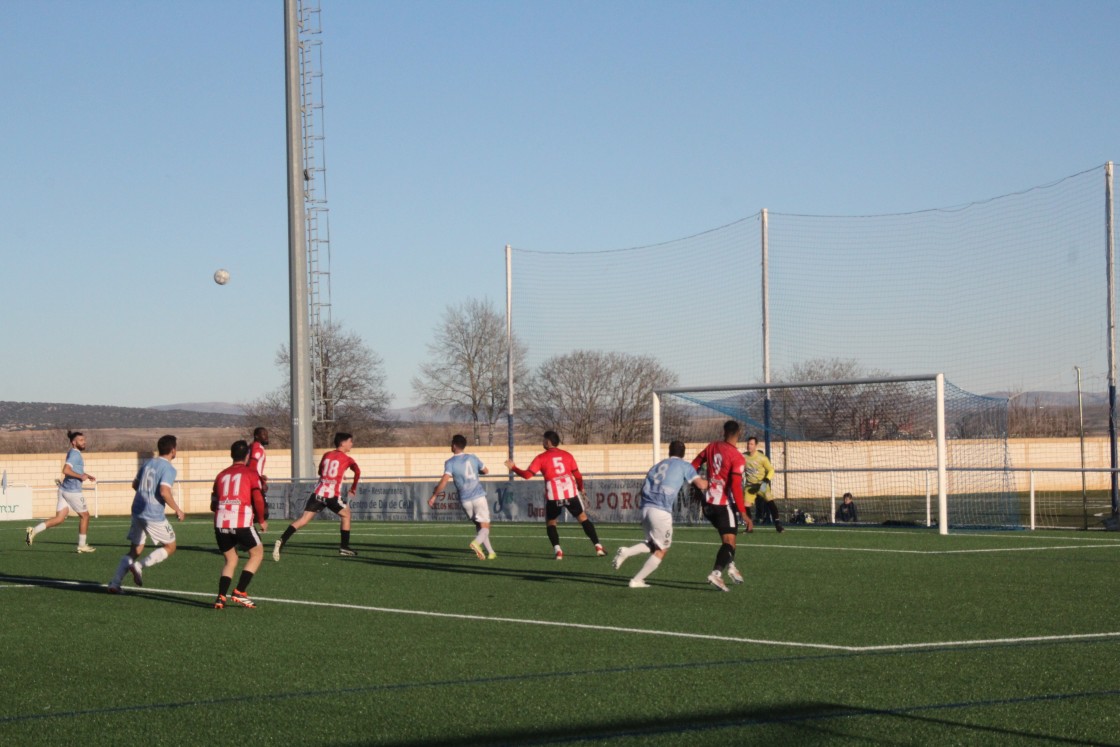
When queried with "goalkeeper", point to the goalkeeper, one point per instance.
{"points": [[756, 483]]}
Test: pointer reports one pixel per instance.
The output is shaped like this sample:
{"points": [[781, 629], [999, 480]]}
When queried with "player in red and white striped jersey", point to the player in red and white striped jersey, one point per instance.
{"points": [[723, 500], [563, 485], [328, 494], [257, 457], [237, 502]]}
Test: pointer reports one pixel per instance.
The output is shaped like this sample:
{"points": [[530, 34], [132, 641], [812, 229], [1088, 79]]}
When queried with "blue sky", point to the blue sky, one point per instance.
{"points": [[144, 146]]}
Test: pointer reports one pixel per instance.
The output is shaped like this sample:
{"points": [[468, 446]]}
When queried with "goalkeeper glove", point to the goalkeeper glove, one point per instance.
{"points": [[764, 487]]}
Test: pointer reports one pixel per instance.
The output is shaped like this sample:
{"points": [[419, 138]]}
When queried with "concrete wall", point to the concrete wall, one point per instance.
{"points": [[112, 494]]}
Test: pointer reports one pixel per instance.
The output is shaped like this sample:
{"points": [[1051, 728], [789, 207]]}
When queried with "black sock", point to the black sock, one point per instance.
{"points": [[223, 585], [553, 535], [345, 537], [773, 508], [724, 557], [287, 535], [589, 530], [243, 582]]}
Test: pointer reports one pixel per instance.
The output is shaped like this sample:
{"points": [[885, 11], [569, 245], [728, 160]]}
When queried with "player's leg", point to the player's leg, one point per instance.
{"points": [[723, 520], [551, 514], [62, 510], [660, 532], [312, 507], [478, 510], [160, 532], [251, 541], [343, 512], [575, 507], [229, 548], [772, 509], [642, 548], [136, 538]]}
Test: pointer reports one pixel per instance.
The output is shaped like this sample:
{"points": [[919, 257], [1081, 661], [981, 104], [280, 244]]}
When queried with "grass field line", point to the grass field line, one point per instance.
{"points": [[880, 648]]}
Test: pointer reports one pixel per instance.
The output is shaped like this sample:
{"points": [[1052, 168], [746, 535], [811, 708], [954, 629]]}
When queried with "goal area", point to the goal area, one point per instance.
{"points": [[912, 451]]}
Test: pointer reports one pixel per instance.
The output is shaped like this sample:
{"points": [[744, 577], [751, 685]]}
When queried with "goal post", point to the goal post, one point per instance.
{"points": [[893, 442]]}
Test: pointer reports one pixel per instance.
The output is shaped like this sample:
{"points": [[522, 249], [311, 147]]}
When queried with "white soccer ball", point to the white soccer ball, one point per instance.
{"points": [[221, 277]]}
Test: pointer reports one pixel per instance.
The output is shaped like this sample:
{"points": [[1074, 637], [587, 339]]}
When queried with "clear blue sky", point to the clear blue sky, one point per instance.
{"points": [[144, 148]]}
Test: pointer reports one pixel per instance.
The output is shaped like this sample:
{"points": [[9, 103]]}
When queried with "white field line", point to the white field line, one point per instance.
{"points": [[631, 631]]}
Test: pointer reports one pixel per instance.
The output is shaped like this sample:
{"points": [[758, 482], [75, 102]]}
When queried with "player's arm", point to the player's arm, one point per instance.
{"points": [[439, 489], [357, 475], [214, 498], [526, 473], [169, 499], [579, 478], [736, 482], [260, 508], [700, 483], [68, 471]]}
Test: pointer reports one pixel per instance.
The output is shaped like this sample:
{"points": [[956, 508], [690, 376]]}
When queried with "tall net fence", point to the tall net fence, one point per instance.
{"points": [[874, 439], [1005, 296]]}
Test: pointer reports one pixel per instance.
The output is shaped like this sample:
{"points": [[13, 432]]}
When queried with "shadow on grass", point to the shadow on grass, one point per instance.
{"points": [[455, 561], [794, 723], [100, 588]]}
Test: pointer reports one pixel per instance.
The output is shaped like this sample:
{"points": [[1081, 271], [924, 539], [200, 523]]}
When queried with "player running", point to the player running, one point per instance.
{"points": [[659, 492], [563, 486], [257, 458], [70, 494], [725, 474], [465, 469], [328, 494], [153, 493], [237, 501]]}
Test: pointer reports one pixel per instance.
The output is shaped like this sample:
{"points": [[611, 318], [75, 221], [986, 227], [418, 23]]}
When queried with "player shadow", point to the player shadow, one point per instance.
{"points": [[491, 569], [87, 586], [805, 723], [796, 720]]}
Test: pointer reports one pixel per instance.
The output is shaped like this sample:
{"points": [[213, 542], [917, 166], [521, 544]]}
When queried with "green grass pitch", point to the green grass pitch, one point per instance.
{"points": [[839, 636]]}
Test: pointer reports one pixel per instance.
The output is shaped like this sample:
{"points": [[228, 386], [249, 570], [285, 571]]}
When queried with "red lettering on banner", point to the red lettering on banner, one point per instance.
{"points": [[612, 500], [626, 499], [598, 500]]}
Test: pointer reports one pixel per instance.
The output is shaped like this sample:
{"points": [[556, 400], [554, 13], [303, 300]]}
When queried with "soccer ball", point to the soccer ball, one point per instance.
{"points": [[221, 277]]}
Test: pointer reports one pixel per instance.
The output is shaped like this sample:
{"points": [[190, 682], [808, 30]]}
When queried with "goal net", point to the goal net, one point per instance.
{"points": [[912, 451]]}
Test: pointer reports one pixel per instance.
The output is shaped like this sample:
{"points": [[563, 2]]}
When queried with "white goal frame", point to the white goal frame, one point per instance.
{"points": [[939, 387]]}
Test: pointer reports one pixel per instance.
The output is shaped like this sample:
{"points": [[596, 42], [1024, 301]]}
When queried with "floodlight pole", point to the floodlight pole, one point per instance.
{"points": [[509, 353], [765, 221], [303, 466], [1110, 242], [942, 459]]}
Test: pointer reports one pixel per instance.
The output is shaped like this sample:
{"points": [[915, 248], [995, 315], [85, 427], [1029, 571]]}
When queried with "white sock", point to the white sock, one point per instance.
{"points": [[40, 527], [155, 556], [81, 540], [651, 565], [482, 536], [122, 568]]}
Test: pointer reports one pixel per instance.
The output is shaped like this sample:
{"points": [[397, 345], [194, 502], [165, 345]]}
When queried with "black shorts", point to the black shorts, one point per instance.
{"points": [[244, 538], [722, 518], [315, 504], [553, 509]]}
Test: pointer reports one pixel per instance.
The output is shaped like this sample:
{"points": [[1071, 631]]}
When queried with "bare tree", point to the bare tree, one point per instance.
{"points": [[468, 368], [589, 395], [354, 393]]}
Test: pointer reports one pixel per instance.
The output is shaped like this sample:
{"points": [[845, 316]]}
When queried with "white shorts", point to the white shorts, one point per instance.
{"points": [[160, 532], [659, 526], [478, 510], [72, 498]]}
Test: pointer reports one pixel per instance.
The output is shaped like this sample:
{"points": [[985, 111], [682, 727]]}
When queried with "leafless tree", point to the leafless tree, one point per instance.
{"points": [[354, 394], [467, 370], [592, 396]]}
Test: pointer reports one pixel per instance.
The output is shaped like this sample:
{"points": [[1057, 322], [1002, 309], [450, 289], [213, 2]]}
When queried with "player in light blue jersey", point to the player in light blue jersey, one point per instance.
{"points": [[659, 492], [70, 496], [153, 493], [465, 469]]}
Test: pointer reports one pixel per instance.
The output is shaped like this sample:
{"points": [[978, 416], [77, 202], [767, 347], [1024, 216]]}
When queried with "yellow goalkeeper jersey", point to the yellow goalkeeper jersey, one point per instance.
{"points": [[758, 469]]}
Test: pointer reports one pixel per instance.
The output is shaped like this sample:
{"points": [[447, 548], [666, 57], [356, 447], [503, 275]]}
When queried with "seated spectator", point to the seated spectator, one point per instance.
{"points": [[846, 511]]}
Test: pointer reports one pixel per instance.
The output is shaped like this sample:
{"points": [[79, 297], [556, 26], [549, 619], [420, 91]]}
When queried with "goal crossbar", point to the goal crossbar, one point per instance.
{"points": [[939, 385]]}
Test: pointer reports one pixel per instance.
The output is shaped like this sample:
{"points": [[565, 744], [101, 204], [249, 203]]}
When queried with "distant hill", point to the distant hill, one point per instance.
{"points": [[31, 416], [224, 408]]}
